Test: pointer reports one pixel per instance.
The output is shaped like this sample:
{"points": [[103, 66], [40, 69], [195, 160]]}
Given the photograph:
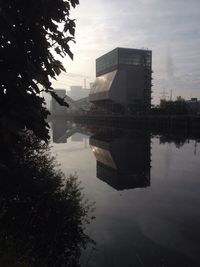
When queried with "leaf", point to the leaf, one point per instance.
{"points": [[70, 54], [59, 99], [74, 2], [57, 50], [28, 34]]}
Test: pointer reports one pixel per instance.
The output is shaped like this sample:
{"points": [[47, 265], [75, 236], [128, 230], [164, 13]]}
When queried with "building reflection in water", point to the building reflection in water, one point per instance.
{"points": [[59, 128], [62, 130], [123, 158]]}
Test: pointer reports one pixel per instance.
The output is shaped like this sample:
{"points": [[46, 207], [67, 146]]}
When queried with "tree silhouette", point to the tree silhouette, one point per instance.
{"points": [[30, 33], [42, 214]]}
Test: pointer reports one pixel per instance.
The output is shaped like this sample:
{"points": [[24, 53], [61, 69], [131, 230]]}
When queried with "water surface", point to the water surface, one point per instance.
{"points": [[146, 190]]}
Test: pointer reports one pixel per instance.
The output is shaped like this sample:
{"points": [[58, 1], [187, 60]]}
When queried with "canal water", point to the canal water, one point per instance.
{"points": [[146, 190]]}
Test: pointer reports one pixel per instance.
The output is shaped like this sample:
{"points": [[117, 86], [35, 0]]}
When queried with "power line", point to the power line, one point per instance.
{"points": [[69, 74], [164, 94]]}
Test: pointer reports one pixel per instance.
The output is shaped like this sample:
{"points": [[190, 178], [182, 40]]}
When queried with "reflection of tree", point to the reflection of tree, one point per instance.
{"points": [[42, 216], [178, 140]]}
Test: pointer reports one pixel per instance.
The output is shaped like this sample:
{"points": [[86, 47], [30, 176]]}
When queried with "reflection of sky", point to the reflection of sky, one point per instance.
{"points": [[141, 226]]}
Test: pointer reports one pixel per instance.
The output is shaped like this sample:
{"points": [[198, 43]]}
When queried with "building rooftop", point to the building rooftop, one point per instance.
{"points": [[142, 50], [122, 56]]}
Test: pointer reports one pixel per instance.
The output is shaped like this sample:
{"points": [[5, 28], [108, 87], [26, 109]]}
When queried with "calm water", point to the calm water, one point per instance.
{"points": [[146, 191]]}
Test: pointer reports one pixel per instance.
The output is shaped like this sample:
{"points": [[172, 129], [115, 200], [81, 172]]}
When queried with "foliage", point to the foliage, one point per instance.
{"points": [[177, 107], [30, 33], [180, 98], [42, 213], [178, 140]]}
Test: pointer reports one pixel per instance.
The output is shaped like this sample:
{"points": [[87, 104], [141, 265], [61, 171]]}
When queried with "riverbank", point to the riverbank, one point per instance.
{"points": [[186, 123]]}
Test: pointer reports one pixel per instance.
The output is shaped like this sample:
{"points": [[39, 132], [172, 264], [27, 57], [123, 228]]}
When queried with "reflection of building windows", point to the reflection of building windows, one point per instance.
{"points": [[103, 156], [123, 158]]}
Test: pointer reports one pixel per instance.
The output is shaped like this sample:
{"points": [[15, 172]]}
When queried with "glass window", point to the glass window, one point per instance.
{"points": [[123, 56], [103, 82], [133, 57], [107, 61]]}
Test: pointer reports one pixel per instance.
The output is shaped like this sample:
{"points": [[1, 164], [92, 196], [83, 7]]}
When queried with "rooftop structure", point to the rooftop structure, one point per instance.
{"points": [[123, 81], [78, 92]]}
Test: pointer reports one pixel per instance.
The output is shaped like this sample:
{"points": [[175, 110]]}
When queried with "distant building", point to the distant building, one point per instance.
{"points": [[123, 81], [84, 104], [55, 107], [193, 105], [77, 92]]}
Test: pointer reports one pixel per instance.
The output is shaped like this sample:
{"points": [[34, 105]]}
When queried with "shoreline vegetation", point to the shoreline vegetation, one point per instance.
{"points": [[186, 124], [43, 214]]}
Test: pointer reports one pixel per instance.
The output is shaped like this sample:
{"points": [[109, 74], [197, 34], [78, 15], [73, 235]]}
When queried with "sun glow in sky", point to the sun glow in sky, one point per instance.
{"points": [[169, 28]]}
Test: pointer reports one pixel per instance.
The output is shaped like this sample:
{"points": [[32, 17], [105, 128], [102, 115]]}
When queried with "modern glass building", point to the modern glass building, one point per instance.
{"points": [[123, 81]]}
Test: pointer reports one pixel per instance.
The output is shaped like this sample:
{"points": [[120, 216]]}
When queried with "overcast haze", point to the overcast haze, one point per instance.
{"points": [[171, 29]]}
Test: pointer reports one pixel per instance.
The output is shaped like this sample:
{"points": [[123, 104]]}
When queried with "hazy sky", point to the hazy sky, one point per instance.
{"points": [[170, 28]]}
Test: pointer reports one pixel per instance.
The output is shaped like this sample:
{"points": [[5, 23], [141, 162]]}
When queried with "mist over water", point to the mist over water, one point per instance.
{"points": [[146, 190]]}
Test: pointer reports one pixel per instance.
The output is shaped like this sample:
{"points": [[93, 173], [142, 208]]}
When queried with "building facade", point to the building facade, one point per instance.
{"points": [[55, 107], [78, 92], [123, 81]]}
